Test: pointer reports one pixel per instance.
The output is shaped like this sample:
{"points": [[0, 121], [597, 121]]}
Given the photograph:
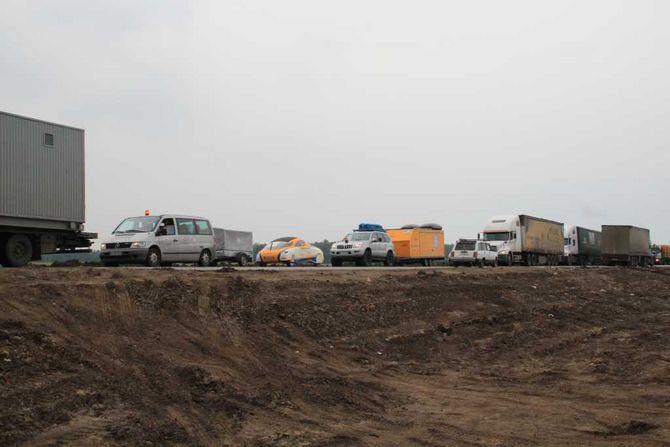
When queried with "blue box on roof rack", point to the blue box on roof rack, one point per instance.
{"points": [[370, 227]]}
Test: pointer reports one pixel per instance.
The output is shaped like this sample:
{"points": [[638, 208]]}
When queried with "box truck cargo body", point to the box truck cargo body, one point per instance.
{"points": [[665, 254], [626, 245], [582, 246], [525, 239], [42, 201], [231, 245], [418, 244]]}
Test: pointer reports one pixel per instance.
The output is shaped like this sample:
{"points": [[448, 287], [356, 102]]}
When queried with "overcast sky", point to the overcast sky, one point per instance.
{"points": [[307, 117]]}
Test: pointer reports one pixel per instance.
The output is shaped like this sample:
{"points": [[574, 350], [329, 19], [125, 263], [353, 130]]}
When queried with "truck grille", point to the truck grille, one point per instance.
{"points": [[344, 247], [119, 245]]}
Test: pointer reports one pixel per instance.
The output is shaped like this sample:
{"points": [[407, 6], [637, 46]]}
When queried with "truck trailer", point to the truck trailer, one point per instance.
{"points": [[232, 245], [42, 190], [626, 245], [418, 244], [582, 246], [525, 239]]}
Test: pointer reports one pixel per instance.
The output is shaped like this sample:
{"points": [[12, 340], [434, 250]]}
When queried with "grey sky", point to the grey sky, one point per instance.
{"points": [[305, 117]]}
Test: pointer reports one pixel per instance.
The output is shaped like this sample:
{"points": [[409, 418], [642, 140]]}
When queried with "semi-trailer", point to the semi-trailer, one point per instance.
{"points": [[582, 246], [525, 239], [42, 190], [626, 245], [416, 244]]}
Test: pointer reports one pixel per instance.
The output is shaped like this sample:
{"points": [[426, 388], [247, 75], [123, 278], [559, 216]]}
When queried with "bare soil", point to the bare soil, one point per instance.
{"points": [[444, 357]]}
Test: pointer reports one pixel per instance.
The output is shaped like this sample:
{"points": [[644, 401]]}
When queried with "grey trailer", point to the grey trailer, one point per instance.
{"points": [[626, 245], [582, 246], [231, 245], [42, 190]]}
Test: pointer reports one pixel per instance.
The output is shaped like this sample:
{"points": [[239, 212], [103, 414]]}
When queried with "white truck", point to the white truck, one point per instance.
{"points": [[523, 239]]}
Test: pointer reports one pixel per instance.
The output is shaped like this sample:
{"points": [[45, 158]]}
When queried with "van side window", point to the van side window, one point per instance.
{"points": [[202, 227], [386, 237], [167, 227], [186, 226]]}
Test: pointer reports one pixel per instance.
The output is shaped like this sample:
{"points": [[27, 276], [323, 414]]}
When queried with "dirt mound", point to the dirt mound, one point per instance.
{"points": [[334, 358]]}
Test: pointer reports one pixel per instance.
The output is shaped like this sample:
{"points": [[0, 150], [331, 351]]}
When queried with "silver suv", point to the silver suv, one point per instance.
{"points": [[363, 247]]}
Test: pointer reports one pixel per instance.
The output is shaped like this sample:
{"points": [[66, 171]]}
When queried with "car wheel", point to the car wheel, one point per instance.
{"points": [[366, 260], [153, 257], [205, 259], [389, 259]]}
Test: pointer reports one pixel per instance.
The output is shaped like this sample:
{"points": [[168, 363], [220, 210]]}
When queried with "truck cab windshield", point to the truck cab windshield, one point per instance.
{"points": [[137, 225], [499, 236], [358, 236]]}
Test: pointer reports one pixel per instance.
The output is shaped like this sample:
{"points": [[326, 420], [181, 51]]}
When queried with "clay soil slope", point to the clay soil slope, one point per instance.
{"points": [[445, 357]]}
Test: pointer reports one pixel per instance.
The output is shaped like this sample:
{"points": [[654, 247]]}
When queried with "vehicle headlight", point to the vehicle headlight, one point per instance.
{"points": [[358, 245], [137, 244], [103, 246]]}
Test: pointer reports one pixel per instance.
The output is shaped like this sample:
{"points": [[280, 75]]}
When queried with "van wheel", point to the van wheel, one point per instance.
{"points": [[205, 259], [389, 259], [18, 250], [153, 257]]}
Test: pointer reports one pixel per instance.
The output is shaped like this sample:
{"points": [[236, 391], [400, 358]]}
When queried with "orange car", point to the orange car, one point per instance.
{"points": [[289, 251]]}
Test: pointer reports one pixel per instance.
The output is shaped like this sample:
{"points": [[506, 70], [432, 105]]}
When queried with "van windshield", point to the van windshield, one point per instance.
{"points": [[137, 225], [358, 236], [501, 236]]}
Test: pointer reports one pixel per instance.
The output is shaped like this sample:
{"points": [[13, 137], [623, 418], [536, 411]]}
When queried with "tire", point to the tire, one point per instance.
{"points": [[495, 262], [262, 264], [153, 257], [18, 250], [336, 262], [366, 259], [510, 259], [205, 258], [389, 259], [529, 260], [242, 261], [481, 263]]}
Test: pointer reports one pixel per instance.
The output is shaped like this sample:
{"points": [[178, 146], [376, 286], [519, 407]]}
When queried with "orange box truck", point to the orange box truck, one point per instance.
{"points": [[418, 244]]}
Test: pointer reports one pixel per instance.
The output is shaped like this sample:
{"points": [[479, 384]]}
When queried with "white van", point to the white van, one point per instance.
{"points": [[159, 240]]}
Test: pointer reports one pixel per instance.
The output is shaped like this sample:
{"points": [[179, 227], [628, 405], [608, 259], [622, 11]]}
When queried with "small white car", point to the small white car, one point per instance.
{"points": [[472, 252]]}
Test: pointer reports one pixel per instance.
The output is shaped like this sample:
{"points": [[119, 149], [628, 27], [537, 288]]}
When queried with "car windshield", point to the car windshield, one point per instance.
{"points": [[465, 246], [503, 236], [137, 225], [358, 236], [278, 244]]}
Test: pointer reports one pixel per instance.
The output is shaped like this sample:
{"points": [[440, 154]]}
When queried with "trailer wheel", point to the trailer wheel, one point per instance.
{"points": [[153, 257], [18, 250], [242, 260]]}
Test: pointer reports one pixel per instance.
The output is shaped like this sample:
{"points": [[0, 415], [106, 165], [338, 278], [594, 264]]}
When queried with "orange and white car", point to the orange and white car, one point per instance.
{"points": [[290, 251]]}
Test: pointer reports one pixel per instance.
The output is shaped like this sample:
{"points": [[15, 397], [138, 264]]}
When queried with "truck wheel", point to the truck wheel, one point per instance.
{"points": [[389, 259], [153, 257], [205, 259], [336, 262], [18, 250], [242, 261]]}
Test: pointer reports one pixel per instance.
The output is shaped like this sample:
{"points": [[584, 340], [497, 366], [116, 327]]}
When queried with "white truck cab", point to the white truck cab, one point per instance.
{"points": [[501, 232], [159, 240]]}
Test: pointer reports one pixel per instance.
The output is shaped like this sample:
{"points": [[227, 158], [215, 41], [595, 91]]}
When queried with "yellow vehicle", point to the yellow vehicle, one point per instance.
{"points": [[418, 244], [289, 251]]}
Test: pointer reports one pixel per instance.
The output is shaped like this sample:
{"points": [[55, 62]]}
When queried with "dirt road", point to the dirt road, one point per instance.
{"points": [[495, 357]]}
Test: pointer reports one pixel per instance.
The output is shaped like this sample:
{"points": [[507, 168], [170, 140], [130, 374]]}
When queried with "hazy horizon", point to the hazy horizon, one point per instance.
{"points": [[306, 118]]}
